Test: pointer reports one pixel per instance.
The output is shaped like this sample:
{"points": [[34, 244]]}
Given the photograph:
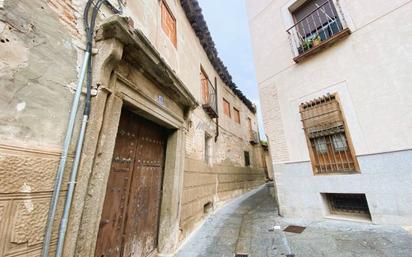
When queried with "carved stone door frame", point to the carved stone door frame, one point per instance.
{"points": [[116, 42]]}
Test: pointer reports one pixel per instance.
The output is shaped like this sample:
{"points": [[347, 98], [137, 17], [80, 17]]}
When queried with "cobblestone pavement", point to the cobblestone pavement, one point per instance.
{"points": [[247, 225]]}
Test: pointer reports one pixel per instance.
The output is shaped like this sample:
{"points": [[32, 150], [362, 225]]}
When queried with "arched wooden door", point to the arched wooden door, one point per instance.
{"points": [[130, 217]]}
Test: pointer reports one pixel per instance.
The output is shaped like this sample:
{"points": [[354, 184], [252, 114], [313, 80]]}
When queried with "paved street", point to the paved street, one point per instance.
{"points": [[246, 225]]}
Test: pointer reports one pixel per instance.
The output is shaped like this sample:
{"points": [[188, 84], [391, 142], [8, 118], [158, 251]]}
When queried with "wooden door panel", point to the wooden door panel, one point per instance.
{"points": [[109, 239], [141, 228]]}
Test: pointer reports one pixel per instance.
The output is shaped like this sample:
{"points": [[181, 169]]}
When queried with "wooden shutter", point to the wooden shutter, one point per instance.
{"points": [[329, 143], [205, 86], [226, 107], [236, 115], [168, 22]]}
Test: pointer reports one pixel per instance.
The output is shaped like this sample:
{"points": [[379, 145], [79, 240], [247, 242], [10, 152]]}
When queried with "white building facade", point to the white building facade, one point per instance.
{"points": [[335, 84]]}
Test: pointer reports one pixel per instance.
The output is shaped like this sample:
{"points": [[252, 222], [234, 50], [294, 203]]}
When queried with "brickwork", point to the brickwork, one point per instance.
{"points": [[273, 123]]}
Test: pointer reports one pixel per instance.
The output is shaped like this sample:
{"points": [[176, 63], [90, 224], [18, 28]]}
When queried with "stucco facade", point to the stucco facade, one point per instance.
{"points": [[369, 71], [136, 67]]}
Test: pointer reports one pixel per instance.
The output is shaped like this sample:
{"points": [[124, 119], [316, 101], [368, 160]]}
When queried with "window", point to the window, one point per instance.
{"points": [[168, 22], [316, 23], [247, 159], [339, 142], [207, 149], [205, 86], [236, 115], [348, 204], [226, 107], [328, 140]]}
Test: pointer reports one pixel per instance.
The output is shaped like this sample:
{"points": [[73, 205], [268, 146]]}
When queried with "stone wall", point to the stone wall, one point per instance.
{"points": [[207, 187]]}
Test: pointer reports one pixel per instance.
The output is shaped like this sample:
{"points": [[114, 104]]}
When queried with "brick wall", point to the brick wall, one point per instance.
{"points": [[273, 123]]}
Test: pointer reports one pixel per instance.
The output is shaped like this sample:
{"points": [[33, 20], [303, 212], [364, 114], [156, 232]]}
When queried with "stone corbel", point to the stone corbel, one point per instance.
{"points": [[110, 53]]}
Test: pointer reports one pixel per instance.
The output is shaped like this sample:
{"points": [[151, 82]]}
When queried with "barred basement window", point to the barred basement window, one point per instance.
{"points": [[348, 204], [328, 138]]}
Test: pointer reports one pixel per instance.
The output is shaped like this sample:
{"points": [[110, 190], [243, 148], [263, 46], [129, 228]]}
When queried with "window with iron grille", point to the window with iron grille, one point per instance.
{"points": [[348, 204], [328, 138]]}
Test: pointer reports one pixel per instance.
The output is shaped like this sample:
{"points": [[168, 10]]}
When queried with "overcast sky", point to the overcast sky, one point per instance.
{"points": [[228, 24]]}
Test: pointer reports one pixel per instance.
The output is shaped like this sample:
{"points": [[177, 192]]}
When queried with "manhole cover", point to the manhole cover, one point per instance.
{"points": [[294, 229]]}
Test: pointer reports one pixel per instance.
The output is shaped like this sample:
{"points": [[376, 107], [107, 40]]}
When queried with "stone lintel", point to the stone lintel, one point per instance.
{"points": [[139, 51]]}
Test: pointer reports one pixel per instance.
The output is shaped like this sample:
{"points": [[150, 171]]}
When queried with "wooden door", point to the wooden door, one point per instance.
{"points": [[129, 222]]}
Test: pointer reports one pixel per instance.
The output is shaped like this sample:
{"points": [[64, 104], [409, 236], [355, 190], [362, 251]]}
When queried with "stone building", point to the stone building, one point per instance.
{"points": [[334, 79], [169, 137]]}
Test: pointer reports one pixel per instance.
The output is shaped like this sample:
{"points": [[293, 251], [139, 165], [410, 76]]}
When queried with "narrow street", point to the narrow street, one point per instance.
{"points": [[247, 225]]}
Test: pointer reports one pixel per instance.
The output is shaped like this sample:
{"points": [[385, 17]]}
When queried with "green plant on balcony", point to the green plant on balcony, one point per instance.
{"points": [[309, 43], [316, 40]]}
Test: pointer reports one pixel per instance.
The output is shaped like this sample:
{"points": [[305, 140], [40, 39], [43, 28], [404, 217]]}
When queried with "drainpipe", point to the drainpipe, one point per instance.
{"points": [[217, 110], [63, 159], [87, 65]]}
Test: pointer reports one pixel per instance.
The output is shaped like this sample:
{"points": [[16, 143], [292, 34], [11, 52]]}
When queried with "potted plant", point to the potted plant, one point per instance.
{"points": [[307, 44], [316, 40]]}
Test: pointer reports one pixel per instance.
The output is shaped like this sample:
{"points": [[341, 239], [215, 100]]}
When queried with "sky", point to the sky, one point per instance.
{"points": [[228, 23]]}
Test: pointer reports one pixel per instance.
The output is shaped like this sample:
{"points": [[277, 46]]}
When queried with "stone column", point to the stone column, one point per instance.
{"points": [[172, 191]]}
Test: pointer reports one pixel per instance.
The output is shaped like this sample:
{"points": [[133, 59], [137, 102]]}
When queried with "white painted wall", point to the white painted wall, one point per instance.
{"points": [[370, 70]]}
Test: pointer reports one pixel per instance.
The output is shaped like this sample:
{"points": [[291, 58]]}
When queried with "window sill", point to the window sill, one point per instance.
{"points": [[325, 44], [352, 218], [337, 173]]}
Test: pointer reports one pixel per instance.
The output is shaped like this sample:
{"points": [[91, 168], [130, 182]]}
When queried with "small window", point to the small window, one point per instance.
{"points": [[320, 145], [236, 115], [249, 122], [204, 80], [327, 136], [168, 22], [207, 154], [339, 142], [348, 204], [247, 159], [207, 208], [226, 107]]}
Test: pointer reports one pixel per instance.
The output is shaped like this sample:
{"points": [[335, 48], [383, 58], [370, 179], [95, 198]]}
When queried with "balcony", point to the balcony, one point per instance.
{"points": [[316, 31], [254, 138], [209, 97]]}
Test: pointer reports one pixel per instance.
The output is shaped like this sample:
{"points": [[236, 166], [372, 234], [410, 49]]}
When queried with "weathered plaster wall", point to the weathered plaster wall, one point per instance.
{"points": [[369, 71], [37, 71]]}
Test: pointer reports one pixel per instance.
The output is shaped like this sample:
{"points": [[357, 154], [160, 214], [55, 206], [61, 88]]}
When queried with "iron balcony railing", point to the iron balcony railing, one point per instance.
{"points": [[315, 28], [209, 95]]}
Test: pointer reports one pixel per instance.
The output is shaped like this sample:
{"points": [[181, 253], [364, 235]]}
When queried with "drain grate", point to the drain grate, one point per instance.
{"points": [[294, 229], [241, 255]]}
